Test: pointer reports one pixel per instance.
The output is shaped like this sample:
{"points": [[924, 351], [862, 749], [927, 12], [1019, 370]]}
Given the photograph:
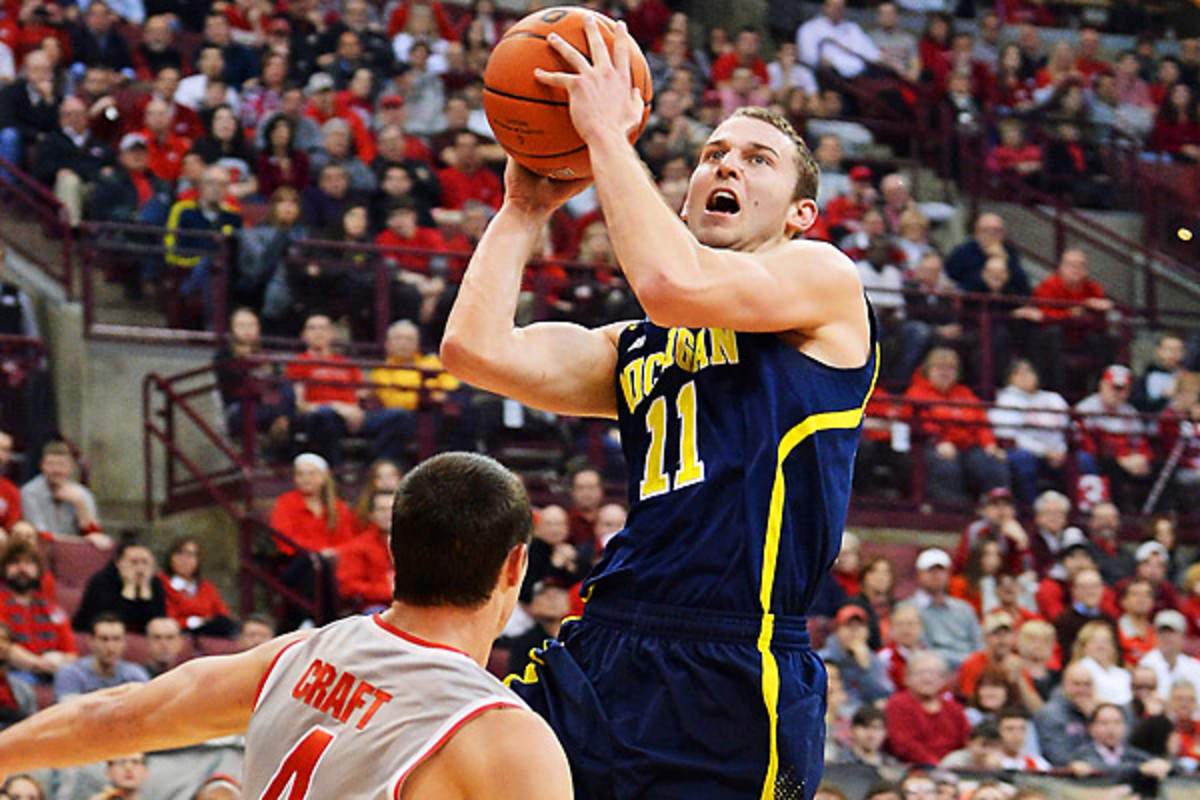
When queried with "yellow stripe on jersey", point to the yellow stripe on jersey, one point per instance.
{"points": [[829, 420]]}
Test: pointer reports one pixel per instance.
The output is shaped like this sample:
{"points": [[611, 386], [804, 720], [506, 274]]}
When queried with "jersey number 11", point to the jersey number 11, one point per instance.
{"points": [[655, 480]]}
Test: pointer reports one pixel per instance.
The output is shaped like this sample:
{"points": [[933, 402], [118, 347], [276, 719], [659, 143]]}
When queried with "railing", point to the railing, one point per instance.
{"points": [[52, 215]]}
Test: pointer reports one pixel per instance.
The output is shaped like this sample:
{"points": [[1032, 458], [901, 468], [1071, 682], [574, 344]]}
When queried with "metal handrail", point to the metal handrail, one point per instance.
{"points": [[52, 214]]}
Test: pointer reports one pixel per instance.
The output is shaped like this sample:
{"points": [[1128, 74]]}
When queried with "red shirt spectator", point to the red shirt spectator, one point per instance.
{"points": [[184, 604], [846, 211], [403, 232], [468, 178], [311, 515], [723, 67], [1070, 283], [322, 107], [324, 382], [361, 573], [964, 426], [10, 502], [165, 153], [34, 620], [999, 522], [924, 723]]}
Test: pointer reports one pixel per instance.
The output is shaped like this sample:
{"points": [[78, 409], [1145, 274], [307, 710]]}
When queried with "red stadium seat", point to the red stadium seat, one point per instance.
{"points": [[73, 561]]}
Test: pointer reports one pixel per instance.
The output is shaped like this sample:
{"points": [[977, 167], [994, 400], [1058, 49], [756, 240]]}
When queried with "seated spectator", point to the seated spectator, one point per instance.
{"points": [[191, 600], [856, 53], [1152, 388], [1012, 91], [41, 635], [1074, 556], [743, 89], [826, 119], [363, 582], [965, 263], [1190, 604], [105, 667], [839, 710], [1152, 559], [997, 522], [311, 515], [410, 375], [125, 777], [1032, 422], [70, 159], [1036, 641], [325, 203], [1146, 700], [95, 40], [982, 751], [999, 652], [1062, 722], [551, 553], [1014, 595], [786, 74], [281, 163], [164, 645], [157, 48], [1182, 711], [864, 675], [844, 212], [1015, 155], [382, 476], [882, 280], [336, 148], [17, 699], [1112, 439], [467, 178], [219, 787], [57, 504], [1051, 513], [419, 290], [240, 380], [744, 54], [835, 181], [1087, 601], [1135, 624], [1169, 662], [547, 606], [226, 147], [897, 46], [868, 732], [10, 495], [924, 724], [29, 108], [905, 640], [1097, 648], [950, 625], [1104, 539], [1074, 169], [1177, 126], [127, 587], [876, 596], [1106, 753], [188, 250], [1014, 727], [329, 399], [125, 192], [961, 453], [255, 629], [210, 66], [1179, 444]]}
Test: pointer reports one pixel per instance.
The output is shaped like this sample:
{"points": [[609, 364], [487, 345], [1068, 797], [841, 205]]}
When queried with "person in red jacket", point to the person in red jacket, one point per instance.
{"points": [[364, 571], [1077, 323], [960, 449], [468, 178], [743, 54], [192, 601], [924, 722]]}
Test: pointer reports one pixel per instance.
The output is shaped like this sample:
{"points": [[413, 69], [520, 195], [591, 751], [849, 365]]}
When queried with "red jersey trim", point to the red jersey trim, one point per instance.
{"points": [[263, 680], [445, 737], [408, 637]]}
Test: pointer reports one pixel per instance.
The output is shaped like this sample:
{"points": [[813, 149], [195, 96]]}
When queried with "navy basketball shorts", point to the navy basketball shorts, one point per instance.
{"points": [[675, 704]]}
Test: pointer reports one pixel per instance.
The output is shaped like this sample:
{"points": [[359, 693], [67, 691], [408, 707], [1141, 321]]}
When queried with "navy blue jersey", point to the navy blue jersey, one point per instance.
{"points": [[740, 452]]}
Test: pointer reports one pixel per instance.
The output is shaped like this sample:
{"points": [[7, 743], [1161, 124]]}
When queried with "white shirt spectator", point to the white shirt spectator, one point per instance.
{"points": [[1036, 422], [191, 93], [883, 287], [1113, 683], [811, 35], [1186, 668], [437, 51], [797, 77]]}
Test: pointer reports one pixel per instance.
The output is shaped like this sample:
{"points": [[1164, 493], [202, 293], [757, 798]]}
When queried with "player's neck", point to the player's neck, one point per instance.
{"points": [[469, 630]]}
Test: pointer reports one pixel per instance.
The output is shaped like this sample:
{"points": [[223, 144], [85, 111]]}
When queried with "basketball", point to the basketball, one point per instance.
{"points": [[530, 120]]}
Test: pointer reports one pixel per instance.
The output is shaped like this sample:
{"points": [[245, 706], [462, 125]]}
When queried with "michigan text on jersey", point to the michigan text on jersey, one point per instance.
{"points": [[689, 349]]}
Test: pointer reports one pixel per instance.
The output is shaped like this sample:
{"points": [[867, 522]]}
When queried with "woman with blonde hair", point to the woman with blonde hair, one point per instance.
{"points": [[311, 516], [1096, 649], [382, 476]]}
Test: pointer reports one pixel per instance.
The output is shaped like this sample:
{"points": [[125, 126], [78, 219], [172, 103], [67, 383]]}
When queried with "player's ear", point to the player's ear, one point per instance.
{"points": [[513, 573], [802, 215]]}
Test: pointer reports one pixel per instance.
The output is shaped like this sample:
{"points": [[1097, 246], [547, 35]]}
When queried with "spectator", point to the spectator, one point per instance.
{"points": [[744, 54], [382, 476], [868, 731], [924, 723], [835, 181], [329, 399], [125, 778], [10, 495], [673, 57], [23, 787], [1152, 559], [876, 596], [1177, 126], [950, 625], [1087, 594], [981, 753], [903, 643], [864, 675], [1014, 727], [897, 47], [547, 606], [1190, 604], [126, 587], [191, 600], [125, 192], [225, 146], [845, 212], [787, 74], [306, 131], [241, 63], [912, 237], [1105, 752], [419, 289], [41, 635], [1096, 647], [1104, 533], [96, 41], [965, 263], [56, 503], [363, 564], [70, 159], [410, 376], [182, 120], [1062, 722], [1035, 644], [961, 452], [255, 629], [219, 787], [825, 118], [742, 89], [1112, 439], [105, 667], [164, 645], [424, 92], [1015, 155], [311, 515], [1169, 662], [999, 652], [188, 248], [1179, 442], [239, 379], [1014, 595], [266, 98], [1146, 700], [1032, 422], [1074, 556], [997, 522], [157, 48], [29, 108], [1012, 91], [854, 53], [551, 553], [165, 146], [281, 163], [1153, 386], [210, 67], [336, 148], [468, 179], [325, 203], [1074, 169], [1135, 624]]}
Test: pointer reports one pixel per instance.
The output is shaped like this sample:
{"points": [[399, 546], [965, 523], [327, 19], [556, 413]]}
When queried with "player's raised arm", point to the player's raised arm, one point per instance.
{"points": [[198, 700], [737, 266], [555, 366]]}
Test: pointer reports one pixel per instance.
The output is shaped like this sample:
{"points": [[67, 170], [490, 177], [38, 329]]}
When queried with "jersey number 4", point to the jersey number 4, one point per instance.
{"points": [[655, 480], [298, 767]]}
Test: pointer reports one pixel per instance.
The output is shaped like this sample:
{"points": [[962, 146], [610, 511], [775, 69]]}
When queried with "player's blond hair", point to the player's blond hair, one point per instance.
{"points": [[807, 173]]}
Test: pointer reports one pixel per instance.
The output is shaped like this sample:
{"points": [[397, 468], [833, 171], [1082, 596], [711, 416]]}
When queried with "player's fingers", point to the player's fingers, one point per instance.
{"points": [[621, 44], [561, 79], [575, 59], [596, 46]]}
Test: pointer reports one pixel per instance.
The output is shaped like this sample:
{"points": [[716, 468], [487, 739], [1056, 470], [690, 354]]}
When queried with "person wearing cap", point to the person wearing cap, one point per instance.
{"points": [[844, 213], [924, 722], [951, 626], [1113, 440], [863, 673], [547, 604], [322, 106], [124, 190], [1152, 559], [961, 452], [1168, 660], [999, 650], [998, 522], [311, 515]]}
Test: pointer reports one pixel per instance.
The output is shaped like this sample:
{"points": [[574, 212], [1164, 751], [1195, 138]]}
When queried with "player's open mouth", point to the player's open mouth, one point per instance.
{"points": [[722, 201]]}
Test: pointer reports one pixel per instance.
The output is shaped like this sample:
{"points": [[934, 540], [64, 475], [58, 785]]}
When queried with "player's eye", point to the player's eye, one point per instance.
{"points": [[715, 155], [759, 160]]}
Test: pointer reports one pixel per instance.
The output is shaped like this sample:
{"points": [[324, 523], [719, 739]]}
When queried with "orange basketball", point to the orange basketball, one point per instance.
{"points": [[530, 119]]}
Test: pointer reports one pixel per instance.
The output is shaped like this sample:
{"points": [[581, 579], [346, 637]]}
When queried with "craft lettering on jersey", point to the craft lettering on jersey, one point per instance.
{"points": [[690, 350], [338, 693]]}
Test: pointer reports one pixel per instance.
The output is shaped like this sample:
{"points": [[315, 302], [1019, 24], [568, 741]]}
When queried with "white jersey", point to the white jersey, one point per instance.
{"points": [[351, 711]]}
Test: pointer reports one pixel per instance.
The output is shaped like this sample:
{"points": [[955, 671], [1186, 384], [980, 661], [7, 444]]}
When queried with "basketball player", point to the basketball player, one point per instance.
{"points": [[395, 705], [739, 400]]}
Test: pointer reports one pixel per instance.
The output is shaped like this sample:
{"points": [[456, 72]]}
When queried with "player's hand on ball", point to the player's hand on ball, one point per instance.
{"points": [[531, 193], [602, 95]]}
